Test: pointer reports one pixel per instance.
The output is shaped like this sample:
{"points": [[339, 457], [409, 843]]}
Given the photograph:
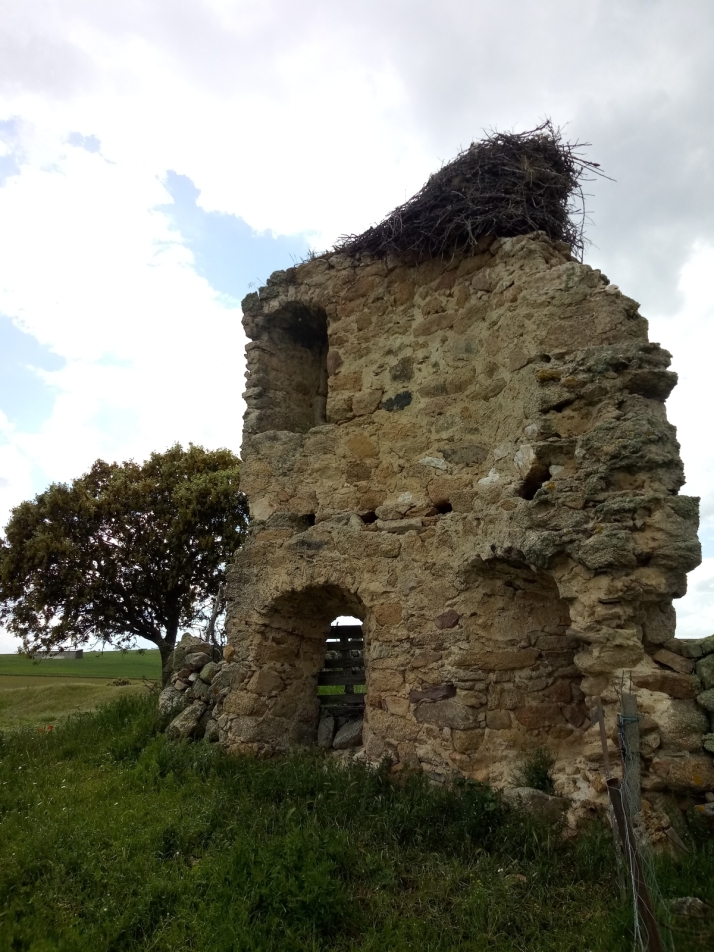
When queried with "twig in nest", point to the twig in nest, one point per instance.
{"points": [[508, 184]]}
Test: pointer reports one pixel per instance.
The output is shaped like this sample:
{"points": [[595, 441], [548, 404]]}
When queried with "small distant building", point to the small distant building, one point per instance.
{"points": [[64, 653]]}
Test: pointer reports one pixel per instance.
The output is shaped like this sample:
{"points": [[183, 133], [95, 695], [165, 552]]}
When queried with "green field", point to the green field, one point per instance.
{"points": [[114, 839], [40, 693], [95, 664], [38, 702]]}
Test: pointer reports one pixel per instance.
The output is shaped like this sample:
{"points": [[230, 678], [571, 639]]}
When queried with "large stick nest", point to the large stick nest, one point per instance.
{"points": [[508, 184]]}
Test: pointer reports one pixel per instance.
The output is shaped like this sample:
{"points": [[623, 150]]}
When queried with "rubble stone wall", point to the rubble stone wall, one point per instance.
{"points": [[492, 488]]}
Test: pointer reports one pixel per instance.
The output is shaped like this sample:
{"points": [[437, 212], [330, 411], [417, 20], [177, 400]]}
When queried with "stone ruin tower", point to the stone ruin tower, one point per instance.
{"points": [[470, 453]]}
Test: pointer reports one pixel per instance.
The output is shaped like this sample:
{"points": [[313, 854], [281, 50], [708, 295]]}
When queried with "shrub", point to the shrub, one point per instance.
{"points": [[536, 771]]}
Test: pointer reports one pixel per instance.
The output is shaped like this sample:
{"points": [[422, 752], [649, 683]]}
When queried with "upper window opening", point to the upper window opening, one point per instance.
{"points": [[287, 371]]}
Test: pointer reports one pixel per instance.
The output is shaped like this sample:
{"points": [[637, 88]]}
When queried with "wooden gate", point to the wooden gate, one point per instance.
{"points": [[344, 667]]}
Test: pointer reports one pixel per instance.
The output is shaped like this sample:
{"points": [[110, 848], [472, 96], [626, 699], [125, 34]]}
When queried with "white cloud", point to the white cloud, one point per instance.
{"points": [[695, 612], [316, 117], [92, 270], [689, 336]]}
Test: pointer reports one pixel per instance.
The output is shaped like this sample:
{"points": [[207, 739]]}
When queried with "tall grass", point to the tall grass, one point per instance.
{"points": [[113, 838]]}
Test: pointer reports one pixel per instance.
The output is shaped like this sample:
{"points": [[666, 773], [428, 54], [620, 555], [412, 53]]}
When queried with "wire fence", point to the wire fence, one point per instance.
{"points": [[652, 927]]}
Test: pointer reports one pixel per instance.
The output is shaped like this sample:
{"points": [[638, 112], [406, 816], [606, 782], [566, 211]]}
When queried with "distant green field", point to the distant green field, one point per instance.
{"points": [[94, 664], [27, 701]]}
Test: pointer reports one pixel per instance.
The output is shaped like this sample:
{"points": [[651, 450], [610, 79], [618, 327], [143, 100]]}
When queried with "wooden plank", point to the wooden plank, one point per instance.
{"points": [[339, 678], [352, 699], [339, 704], [332, 664], [345, 710]]}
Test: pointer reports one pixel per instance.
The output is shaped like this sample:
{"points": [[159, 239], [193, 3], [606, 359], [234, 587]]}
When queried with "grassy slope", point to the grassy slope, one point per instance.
{"points": [[112, 838], [94, 664], [37, 702]]}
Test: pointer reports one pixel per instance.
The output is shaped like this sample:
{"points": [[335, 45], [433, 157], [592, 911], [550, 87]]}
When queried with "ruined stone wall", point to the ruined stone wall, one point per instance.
{"points": [[492, 488]]}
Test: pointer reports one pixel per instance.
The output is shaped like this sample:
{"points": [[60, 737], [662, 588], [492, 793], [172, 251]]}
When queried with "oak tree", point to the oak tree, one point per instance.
{"points": [[128, 550]]}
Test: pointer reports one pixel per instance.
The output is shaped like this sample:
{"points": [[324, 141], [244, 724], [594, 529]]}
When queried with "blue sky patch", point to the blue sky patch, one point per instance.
{"points": [[111, 360], [228, 253], [10, 136], [88, 143], [25, 398]]}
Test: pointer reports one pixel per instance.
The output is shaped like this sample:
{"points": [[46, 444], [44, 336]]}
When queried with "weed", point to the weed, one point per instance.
{"points": [[536, 771]]}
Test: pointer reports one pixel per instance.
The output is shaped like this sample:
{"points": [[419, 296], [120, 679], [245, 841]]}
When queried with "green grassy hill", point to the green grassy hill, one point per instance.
{"points": [[113, 839], [94, 664], [37, 702], [38, 693]]}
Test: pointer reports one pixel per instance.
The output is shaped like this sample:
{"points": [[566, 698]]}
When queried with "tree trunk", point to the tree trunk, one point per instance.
{"points": [[217, 607], [166, 648]]}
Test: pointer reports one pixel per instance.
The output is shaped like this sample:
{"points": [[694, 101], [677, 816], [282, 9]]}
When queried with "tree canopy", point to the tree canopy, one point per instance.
{"points": [[127, 550]]}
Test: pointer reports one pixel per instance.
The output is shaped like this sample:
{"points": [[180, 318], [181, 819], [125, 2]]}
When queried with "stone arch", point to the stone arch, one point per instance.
{"points": [[517, 623], [288, 654], [286, 387]]}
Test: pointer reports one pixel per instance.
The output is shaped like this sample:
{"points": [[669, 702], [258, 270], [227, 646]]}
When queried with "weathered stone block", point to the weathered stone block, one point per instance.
{"points": [[680, 686], [349, 735], [388, 613], [392, 726], [367, 401], [706, 700], [448, 619], [468, 741], [384, 681], [200, 690], [447, 714], [437, 692], [674, 661], [187, 722], [695, 774], [498, 720], [209, 671], [499, 660], [265, 682], [325, 731], [197, 660], [399, 526], [172, 700], [536, 716], [705, 671]]}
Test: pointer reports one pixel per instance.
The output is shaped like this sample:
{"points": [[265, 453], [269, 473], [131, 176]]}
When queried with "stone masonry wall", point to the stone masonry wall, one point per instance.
{"points": [[492, 489]]}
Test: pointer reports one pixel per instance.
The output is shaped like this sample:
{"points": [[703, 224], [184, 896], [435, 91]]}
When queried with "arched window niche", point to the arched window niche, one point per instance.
{"points": [[287, 370]]}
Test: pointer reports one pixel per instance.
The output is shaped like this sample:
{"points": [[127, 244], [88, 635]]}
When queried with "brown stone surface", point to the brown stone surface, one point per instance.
{"points": [[667, 682], [474, 459], [447, 619], [674, 661]]}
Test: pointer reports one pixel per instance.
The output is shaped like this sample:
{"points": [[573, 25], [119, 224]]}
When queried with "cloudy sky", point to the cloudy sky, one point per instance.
{"points": [[159, 158]]}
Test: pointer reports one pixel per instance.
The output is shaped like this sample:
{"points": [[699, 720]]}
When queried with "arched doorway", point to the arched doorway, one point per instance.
{"points": [[315, 662]]}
